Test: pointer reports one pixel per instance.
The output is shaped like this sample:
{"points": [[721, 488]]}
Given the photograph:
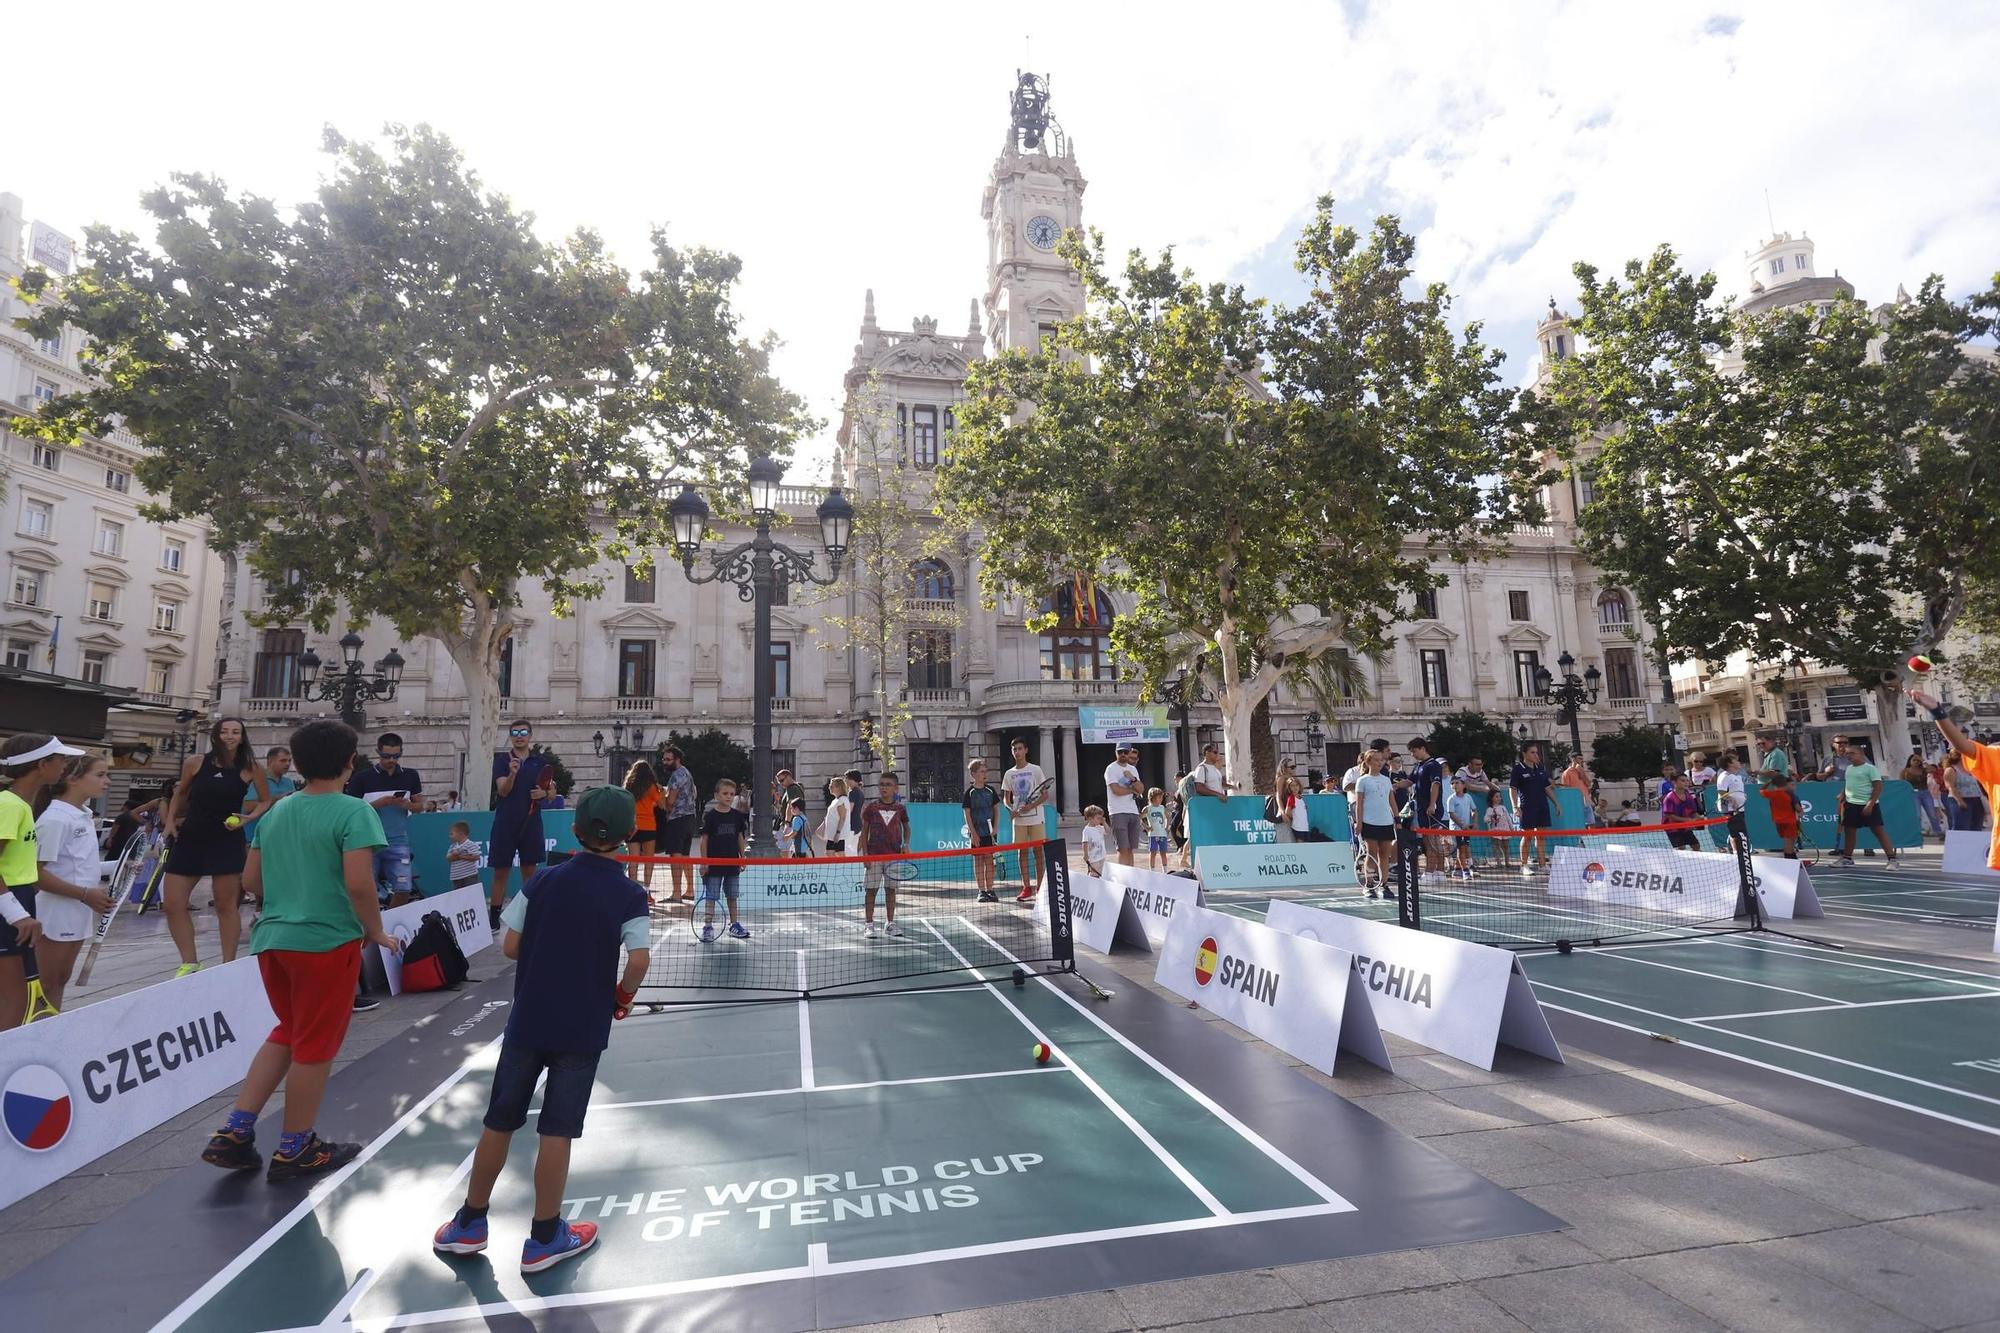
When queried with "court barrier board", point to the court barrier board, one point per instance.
{"points": [[1784, 887], [1300, 995], [1103, 915], [1156, 897], [1965, 852], [1266, 867], [1460, 999], [463, 910], [77, 1085], [1641, 877]]}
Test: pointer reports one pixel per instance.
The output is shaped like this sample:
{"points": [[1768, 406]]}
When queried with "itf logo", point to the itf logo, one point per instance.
{"points": [[35, 1107], [1204, 962], [1593, 875]]}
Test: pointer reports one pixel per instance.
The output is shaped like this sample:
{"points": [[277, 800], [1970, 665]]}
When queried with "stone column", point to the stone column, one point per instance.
{"points": [[1075, 779], [1045, 754]]}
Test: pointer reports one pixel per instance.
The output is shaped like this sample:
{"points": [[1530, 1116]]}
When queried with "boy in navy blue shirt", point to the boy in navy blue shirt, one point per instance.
{"points": [[564, 927]]}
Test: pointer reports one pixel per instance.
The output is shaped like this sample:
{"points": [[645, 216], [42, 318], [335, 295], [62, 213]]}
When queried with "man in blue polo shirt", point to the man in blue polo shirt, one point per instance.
{"points": [[517, 820], [393, 791]]}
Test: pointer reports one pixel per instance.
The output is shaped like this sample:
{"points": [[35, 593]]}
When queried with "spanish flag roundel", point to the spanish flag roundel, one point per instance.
{"points": [[1204, 961]]}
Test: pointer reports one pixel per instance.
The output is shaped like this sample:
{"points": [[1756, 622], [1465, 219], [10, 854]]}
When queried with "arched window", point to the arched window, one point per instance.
{"points": [[1614, 611], [1079, 646], [931, 580]]}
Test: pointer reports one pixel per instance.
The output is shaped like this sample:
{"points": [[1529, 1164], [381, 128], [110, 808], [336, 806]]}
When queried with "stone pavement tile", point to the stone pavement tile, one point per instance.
{"points": [[1609, 1147], [1973, 1237], [1585, 1098], [1366, 1275], [1736, 1206], [1511, 1158], [1592, 1299], [1619, 1219], [1426, 1069], [205, 1115], [1871, 1191], [925, 1324], [1690, 1091], [1910, 1275], [1982, 1192], [1425, 1113], [1517, 1064], [98, 1196], [1085, 1312], [1157, 1304], [1733, 1133], [26, 1247], [1514, 1254], [1453, 1309], [1744, 1289], [1357, 1078], [1300, 1320]]}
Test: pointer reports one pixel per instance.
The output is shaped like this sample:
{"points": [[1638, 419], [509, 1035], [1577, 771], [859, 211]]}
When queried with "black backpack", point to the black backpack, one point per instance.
{"points": [[432, 959]]}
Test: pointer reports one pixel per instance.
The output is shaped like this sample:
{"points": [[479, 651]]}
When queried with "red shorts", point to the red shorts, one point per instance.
{"points": [[313, 996], [1785, 830]]}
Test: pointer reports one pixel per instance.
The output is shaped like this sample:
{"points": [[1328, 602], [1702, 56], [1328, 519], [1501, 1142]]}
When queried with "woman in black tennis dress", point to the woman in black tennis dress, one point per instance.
{"points": [[211, 790]]}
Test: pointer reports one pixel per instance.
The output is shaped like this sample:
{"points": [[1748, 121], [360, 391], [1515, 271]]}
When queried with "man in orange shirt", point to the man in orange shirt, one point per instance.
{"points": [[1982, 761]]}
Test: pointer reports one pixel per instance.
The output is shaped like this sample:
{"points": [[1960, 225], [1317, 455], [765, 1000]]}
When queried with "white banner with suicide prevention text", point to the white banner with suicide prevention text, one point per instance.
{"points": [[464, 910], [1460, 999], [1155, 896], [75, 1086], [1103, 915], [1695, 885], [1300, 995], [1269, 867]]}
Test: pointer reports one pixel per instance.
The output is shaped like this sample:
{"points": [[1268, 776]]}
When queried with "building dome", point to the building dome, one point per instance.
{"points": [[1780, 261]]}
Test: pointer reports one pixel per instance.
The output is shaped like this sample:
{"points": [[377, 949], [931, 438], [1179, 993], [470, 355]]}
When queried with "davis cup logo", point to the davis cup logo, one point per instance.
{"points": [[35, 1107], [1204, 961], [1593, 875]]}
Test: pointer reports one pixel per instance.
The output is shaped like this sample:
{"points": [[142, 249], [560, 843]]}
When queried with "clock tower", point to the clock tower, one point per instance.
{"points": [[1033, 195]]}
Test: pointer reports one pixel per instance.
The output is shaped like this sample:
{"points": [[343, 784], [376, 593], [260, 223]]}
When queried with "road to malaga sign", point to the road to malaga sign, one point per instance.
{"points": [[1281, 865]]}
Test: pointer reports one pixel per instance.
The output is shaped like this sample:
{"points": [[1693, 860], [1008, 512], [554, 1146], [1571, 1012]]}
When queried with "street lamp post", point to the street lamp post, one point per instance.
{"points": [[1569, 694], [1181, 694], [349, 687], [753, 568]]}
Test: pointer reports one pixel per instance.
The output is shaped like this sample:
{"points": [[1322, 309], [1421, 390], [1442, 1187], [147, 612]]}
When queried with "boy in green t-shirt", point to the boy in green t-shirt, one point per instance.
{"points": [[1861, 806], [316, 852]]}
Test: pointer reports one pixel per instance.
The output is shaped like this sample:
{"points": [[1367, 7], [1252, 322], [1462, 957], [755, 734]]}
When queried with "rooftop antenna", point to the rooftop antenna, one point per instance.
{"points": [[1768, 215]]}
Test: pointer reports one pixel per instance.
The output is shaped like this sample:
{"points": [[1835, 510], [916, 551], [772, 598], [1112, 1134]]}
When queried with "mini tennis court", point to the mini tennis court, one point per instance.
{"points": [[1929, 897]]}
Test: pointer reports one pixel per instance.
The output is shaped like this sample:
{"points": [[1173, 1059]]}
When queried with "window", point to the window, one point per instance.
{"points": [[45, 392], [1078, 647], [110, 537], [937, 770], [635, 668], [160, 677], [1799, 263], [950, 426], [50, 346], [1613, 610], [94, 666], [930, 659], [1778, 264], [1586, 492], [1621, 673], [1526, 664], [931, 581], [1436, 677], [507, 667], [1517, 604], [1562, 347], [167, 615], [27, 590], [1045, 335], [173, 554], [925, 419], [1427, 604], [638, 586], [274, 671], [38, 518], [118, 479], [781, 670], [902, 431], [19, 653], [1844, 704], [47, 457], [102, 604], [1798, 707]]}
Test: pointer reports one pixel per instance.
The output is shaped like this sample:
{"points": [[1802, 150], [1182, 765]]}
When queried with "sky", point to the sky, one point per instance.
{"points": [[838, 147]]}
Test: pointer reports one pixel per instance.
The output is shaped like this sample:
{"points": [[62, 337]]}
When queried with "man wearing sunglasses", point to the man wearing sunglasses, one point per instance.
{"points": [[395, 793], [517, 820]]}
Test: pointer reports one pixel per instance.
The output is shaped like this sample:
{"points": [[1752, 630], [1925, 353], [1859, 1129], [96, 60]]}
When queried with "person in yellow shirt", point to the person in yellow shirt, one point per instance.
{"points": [[1981, 761]]}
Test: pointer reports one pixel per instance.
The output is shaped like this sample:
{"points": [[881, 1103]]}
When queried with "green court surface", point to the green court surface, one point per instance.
{"points": [[1927, 897], [741, 1145]]}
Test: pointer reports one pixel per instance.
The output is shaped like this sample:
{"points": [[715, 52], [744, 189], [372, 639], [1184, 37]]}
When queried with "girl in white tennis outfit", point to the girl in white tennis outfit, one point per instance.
{"points": [[66, 846]]}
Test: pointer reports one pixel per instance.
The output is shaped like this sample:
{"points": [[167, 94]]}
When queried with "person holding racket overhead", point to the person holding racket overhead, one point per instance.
{"points": [[32, 760], [1024, 787], [517, 819], [885, 831]]}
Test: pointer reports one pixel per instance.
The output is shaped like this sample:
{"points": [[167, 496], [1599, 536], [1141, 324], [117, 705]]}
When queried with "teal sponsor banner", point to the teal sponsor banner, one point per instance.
{"points": [[800, 884], [1288, 865], [938, 827], [1238, 821], [430, 839], [1819, 816], [1136, 725]]}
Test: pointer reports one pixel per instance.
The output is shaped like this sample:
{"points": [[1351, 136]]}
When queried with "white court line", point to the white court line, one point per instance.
{"points": [[825, 1087], [338, 1314], [1846, 958], [1200, 1098], [1167, 1159], [1717, 976], [805, 1027], [1957, 890], [1783, 1046], [1834, 1008]]}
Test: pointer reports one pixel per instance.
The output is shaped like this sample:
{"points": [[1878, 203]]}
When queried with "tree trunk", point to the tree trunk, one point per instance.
{"points": [[1238, 709], [476, 654], [1895, 730], [1263, 746]]}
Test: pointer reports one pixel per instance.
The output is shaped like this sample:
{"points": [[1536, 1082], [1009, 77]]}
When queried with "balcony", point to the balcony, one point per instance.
{"points": [[1447, 703], [273, 705], [633, 703], [1625, 706], [1523, 705], [938, 698], [784, 705], [1061, 693], [924, 608], [1617, 629]]}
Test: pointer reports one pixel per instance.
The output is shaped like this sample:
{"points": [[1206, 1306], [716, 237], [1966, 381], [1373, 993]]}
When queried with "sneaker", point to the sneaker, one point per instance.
{"points": [[186, 970], [737, 931], [1845, 861], [316, 1158], [1372, 895], [232, 1152], [570, 1241], [1893, 863], [988, 896], [1025, 896], [893, 931], [453, 1238], [362, 1004], [708, 934], [493, 917], [868, 931]]}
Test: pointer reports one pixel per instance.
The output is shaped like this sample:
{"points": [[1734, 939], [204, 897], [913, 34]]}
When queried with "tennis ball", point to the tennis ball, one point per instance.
{"points": [[233, 822], [1921, 664], [1041, 1052]]}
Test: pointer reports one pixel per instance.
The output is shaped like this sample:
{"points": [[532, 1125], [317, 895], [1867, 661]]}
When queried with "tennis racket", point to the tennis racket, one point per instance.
{"points": [[152, 872], [1036, 795], [38, 999], [123, 878], [899, 870]]}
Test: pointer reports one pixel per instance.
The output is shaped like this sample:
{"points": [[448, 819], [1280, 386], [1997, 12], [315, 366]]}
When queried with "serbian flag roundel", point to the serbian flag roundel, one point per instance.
{"points": [[1204, 961]]}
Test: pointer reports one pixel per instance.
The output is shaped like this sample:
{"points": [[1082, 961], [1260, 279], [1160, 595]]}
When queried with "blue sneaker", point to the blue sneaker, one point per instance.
{"points": [[708, 934], [453, 1238], [570, 1242], [737, 932]]}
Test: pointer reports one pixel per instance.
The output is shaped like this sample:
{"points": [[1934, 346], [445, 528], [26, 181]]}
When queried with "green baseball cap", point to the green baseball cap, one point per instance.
{"points": [[605, 816]]}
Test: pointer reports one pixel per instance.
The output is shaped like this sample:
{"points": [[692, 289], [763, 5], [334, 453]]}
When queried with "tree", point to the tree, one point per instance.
{"points": [[565, 781], [399, 402], [711, 755], [1248, 475], [1459, 737], [1633, 753], [1811, 484]]}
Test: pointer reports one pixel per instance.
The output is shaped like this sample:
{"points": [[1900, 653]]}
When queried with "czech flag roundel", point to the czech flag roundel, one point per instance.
{"points": [[35, 1107], [1204, 961]]}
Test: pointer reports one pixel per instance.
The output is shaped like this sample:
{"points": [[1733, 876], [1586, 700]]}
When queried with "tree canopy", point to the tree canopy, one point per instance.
{"points": [[396, 400], [1262, 482], [1633, 753]]}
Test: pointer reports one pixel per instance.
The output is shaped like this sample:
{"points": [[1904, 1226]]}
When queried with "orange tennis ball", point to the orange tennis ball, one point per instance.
{"points": [[1920, 664], [1041, 1052]]}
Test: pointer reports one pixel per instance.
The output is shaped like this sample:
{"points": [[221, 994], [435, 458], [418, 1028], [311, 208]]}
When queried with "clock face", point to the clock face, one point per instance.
{"points": [[1043, 231]]}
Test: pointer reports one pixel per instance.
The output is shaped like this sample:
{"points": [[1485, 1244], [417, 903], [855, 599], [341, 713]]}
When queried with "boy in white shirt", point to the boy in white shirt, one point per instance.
{"points": [[1020, 782], [1094, 840]]}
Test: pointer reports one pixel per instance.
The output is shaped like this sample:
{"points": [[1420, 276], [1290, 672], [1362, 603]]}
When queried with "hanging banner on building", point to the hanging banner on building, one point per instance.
{"points": [[1133, 725], [463, 910], [1460, 999], [1269, 867], [1104, 915], [75, 1086], [50, 248], [1156, 897], [1300, 995]]}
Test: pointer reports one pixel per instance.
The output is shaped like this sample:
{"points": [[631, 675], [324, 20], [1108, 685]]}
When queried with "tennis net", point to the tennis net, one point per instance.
{"points": [[726, 931], [1563, 888]]}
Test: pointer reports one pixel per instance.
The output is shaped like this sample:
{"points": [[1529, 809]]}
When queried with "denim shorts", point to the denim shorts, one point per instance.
{"points": [[392, 870], [1157, 845], [564, 1099], [716, 884]]}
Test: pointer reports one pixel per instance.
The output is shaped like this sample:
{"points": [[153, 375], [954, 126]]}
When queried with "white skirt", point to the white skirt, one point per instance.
{"points": [[64, 920]]}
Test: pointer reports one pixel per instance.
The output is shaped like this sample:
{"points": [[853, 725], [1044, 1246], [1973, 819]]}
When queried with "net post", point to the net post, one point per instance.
{"points": [[1055, 873], [1409, 846], [1747, 902]]}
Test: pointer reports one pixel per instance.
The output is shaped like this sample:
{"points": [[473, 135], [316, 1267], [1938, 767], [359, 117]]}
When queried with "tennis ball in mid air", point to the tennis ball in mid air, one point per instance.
{"points": [[233, 822], [1921, 664], [1041, 1052]]}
